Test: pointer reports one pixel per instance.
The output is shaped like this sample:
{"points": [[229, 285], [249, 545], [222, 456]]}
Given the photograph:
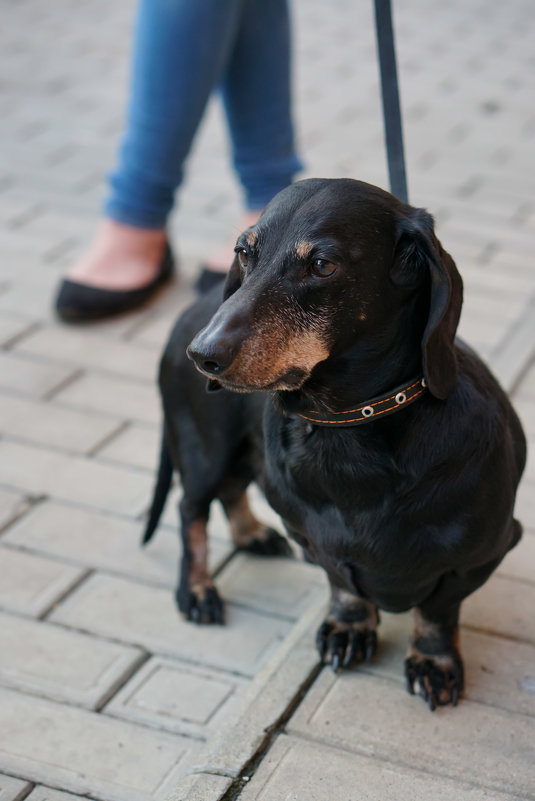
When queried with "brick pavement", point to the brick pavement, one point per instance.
{"points": [[104, 691]]}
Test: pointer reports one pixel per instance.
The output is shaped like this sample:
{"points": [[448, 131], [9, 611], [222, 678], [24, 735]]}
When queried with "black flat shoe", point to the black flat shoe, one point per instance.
{"points": [[78, 303]]}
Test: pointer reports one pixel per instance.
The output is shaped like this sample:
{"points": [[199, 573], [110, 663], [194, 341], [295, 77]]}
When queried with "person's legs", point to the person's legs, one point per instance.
{"points": [[256, 92], [180, 50]]}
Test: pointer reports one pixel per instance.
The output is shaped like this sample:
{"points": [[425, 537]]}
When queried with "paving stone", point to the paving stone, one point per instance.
{"points": [[176, 697], [71, 478], [12, 789], [498, 672], [127, 762], [46, 660], [297, 770], [89, 349], [30, 377], [147, 616], [31, 584], [283, 587], [138, 445], [11, 505], [119, 397], [95, 540], [41, 793], [46, 424], [502, 606], [376, 717]]}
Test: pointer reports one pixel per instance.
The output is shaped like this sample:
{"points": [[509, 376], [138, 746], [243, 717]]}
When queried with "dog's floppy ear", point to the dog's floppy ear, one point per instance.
{"points": [[418, 249]]}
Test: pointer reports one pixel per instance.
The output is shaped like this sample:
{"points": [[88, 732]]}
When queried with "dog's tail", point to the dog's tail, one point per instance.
{"points": [[161, 490]]}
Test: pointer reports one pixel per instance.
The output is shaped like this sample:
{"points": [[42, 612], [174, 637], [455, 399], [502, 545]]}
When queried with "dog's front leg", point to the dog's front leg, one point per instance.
{"points": [[196, 596], [434, 666], [349, 632]]}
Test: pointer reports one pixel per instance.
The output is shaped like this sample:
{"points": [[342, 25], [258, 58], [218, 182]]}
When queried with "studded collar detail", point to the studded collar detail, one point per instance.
{"points": [[371, 410]]}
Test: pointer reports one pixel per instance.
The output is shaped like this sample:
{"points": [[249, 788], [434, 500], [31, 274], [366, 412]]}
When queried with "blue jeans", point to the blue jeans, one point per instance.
{"points": [[183, 49]]}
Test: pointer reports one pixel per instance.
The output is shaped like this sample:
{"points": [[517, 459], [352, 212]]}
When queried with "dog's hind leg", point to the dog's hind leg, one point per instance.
{"points": [[196, 595], [248, 533], [349, 633]]}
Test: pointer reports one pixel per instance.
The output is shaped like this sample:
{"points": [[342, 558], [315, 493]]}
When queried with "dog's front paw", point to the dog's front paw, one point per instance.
{"points": [[200, 604], [268, 543], [343, 644], [439, 679]]}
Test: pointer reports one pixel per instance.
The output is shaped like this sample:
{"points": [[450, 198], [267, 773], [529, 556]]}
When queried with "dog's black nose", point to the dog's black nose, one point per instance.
{"points": [[210, 360]]}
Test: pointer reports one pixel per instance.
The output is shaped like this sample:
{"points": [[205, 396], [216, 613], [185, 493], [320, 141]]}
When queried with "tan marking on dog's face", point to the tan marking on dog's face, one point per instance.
{"points": [[303, 250], [251, 238], [267, 356]]}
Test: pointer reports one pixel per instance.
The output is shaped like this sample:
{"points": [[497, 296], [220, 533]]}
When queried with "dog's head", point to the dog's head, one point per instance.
{"points": [[332, 265]]}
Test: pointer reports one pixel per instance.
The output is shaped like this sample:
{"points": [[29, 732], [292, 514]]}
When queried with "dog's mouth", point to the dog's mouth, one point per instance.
{"points": [[292, 380]]}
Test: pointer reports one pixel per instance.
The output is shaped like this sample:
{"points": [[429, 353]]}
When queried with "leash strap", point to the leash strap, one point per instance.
{"points": [[390, 94], [371, 410]]}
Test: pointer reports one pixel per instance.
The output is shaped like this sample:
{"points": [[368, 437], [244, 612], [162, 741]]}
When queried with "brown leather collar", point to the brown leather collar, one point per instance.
{"points": [[373, 409]]}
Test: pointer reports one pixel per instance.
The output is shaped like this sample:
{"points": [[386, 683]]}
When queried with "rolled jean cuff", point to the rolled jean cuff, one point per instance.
{"points": [[135, 201]]}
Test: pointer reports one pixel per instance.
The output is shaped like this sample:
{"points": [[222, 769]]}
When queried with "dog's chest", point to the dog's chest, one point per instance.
{"points": [[339, 502], [342, 505]]}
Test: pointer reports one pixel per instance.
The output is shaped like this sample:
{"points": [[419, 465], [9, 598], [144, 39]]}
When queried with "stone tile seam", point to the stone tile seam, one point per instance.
{"points": [[126, 378], [152, 652], [144, 656], [20, 336], [107, 439], [56, 788], [106, 697], [92, 568], [69, 454], [25, 792], [58, 403], [72, 378], [122, 680], [128, 724], [27, 502], [107, 461], [15, 439], [72, 588], [84, 507]]}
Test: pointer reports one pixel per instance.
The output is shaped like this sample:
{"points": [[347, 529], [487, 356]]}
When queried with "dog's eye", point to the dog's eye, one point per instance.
{"points": [[323, 268], [243, 258]]}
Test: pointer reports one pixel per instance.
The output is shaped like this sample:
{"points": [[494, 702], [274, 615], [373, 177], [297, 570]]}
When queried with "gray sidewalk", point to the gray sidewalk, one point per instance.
{"points": [[104, 691]]}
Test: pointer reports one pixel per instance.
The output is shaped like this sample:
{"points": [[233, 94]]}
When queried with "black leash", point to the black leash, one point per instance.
{"points": [[390, 94]]}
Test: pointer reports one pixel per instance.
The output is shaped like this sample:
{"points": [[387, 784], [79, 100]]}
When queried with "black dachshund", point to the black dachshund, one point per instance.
{"points": [[388, 448]]}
